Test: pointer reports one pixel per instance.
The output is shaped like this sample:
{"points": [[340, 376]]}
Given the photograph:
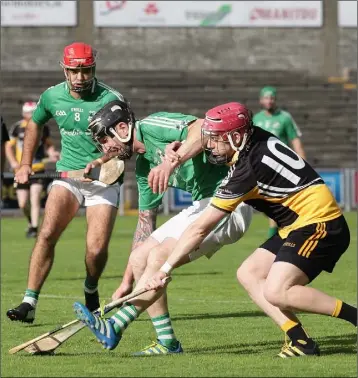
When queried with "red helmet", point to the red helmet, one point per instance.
{"points": [[228, 117], [79, 55], [225, 120]]}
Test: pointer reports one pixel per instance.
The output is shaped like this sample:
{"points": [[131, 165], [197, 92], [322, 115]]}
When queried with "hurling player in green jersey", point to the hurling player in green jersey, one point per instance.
{"points": [[279, 123], [71, 104], [194, 174]]}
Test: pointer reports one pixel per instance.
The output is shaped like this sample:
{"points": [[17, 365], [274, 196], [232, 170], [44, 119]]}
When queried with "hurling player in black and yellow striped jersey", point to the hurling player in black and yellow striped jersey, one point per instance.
{"points": [[313, 234], [29, 193]]}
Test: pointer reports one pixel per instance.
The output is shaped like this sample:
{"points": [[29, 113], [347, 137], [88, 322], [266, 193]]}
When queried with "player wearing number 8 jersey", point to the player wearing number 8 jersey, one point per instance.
{"points": [[313, 233], [71, 104]]}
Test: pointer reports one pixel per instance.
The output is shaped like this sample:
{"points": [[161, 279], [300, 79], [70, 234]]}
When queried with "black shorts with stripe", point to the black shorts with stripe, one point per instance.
{"points": [[312, 248]]}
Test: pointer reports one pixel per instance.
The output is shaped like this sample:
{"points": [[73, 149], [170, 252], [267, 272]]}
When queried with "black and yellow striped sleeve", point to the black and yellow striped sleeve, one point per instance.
{"points": [[238, 186], [230, 204]]}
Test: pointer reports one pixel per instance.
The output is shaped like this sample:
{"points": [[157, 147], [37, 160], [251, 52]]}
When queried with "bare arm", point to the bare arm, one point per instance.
{"points": [[192, 146], [159, 176], [31, 142], [99, 161], [298, 147], [10, 155]]}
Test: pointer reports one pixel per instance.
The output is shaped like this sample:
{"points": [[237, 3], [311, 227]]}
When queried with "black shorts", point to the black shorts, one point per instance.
{"points": [[33, 181], [312, 248]]}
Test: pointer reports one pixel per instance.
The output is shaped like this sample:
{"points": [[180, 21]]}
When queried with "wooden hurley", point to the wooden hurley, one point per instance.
{"points": [[108, 173], [48, 342]]}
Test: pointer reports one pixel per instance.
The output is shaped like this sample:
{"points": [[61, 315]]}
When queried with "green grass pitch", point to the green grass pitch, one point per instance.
{"points": [[223, 333]]}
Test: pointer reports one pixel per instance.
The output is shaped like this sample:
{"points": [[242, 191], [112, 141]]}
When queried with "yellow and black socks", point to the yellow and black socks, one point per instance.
{"points": [[297, 334], [165, 333], [345, 311]]}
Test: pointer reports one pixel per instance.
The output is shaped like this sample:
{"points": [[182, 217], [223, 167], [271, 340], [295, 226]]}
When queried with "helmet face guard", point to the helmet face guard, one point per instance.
{"points": [[79, 56], [86, 85], [229, 123], [206, 137], [103, 125]]}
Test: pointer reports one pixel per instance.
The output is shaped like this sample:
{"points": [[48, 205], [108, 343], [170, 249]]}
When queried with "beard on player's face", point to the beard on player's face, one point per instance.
{"points": [[79, 79], [113, 147]]}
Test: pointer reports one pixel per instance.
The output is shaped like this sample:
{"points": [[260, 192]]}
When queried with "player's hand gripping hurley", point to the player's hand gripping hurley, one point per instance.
{"points": [[108, 173]]}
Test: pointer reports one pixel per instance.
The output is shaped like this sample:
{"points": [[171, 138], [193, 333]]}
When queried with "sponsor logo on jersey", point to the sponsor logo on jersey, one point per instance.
{"points": [[75, 132], [288, 244]]}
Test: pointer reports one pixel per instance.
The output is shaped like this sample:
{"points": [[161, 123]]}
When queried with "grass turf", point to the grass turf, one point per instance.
{"points": [[223, 333]]}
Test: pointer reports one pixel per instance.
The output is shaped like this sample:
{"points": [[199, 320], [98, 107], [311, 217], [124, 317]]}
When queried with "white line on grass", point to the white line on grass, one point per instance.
{"points": [[173, 299]]}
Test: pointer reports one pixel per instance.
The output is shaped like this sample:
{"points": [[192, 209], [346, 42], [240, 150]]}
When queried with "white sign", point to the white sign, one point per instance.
{"points": [[347, 13], [208, 13], [38, 13]]}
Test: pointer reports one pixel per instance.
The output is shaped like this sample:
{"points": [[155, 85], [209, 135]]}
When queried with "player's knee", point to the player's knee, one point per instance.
{"points": [[96, 249], [157, 257], [137, 261], [275, 295], [22, 205], [46, 237], [243, 276], [247, 274]]}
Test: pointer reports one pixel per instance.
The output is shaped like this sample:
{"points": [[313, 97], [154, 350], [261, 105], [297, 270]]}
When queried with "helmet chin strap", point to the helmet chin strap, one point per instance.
{"points": [[123, 140], [87, 85], [242, 145]]}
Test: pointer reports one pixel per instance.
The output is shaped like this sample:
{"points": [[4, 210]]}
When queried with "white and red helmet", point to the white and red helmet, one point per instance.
{"points": [[29, 107], [225, 120], [76, 56]]}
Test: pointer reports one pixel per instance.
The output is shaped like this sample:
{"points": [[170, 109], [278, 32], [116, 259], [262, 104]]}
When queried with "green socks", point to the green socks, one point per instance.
{"points": [[164, 330], [124, 317]]}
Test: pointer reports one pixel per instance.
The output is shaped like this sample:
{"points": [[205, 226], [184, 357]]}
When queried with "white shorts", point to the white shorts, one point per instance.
{"points": [[91, 193], [228, 231]]}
